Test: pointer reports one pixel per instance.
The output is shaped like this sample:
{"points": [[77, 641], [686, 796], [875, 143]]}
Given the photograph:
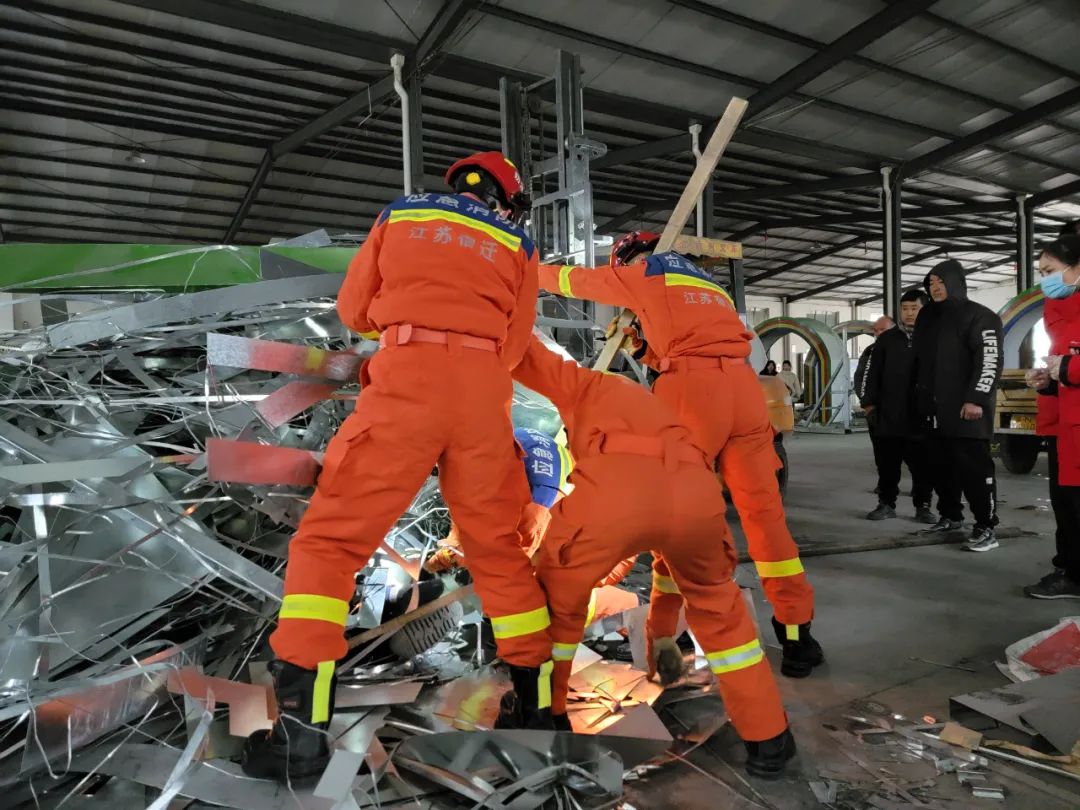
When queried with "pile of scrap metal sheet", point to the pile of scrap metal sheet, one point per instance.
{"points": [[879, 759], [156, 453]]}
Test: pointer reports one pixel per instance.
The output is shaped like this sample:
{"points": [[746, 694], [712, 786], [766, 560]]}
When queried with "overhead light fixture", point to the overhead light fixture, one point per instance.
{"points": [[135, 158]]}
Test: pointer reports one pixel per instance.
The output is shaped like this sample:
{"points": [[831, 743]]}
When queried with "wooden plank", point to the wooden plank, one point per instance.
{"points": [[703, 172], [704, 246]]}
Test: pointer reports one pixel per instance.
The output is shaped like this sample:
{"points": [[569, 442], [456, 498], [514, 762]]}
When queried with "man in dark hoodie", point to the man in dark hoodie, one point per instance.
{"points": [[957, 345], [886, 397]]}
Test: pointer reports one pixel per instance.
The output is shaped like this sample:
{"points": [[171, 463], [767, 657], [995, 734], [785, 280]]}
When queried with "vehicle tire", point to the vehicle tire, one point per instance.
{"points": [[782, 473], [1018, 453]]}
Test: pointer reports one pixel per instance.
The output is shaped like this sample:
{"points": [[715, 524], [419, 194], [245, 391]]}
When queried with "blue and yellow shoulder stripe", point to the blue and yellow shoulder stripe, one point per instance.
{"points": [[459, 210], [678, 271]]}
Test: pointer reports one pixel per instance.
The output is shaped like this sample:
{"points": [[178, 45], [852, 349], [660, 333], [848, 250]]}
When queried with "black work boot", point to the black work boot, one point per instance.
{"points": [[883, 511], [801, 654], [520, 707], [924, 514], [766, 759], [561, 722], [297, 746]]}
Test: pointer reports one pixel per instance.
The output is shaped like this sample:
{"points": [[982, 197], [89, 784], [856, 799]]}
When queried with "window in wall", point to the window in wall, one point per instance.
{"points": [[828, 318]]}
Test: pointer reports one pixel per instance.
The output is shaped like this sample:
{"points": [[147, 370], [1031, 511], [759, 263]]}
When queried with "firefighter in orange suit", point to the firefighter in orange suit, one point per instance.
{"points": [[640, 483], [447, 282], [699, 345], [547, 468]]}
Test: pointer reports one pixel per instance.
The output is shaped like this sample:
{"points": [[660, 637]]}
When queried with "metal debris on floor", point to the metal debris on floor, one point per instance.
{"points": [[156, 452], [889, 761]]}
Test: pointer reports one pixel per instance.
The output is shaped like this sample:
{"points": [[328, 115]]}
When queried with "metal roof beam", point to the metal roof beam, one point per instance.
{"points": [[848, 181], [843, 282], [840, 49], [446, 22], [707, 71], [1054, 194], [280, 25], [814, 44], [831, 250], [999, 129], [825, 223]]}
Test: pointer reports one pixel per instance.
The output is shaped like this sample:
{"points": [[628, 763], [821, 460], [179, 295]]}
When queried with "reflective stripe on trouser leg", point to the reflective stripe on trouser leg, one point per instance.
{"points": [[780, 568], [314, 608], [543, 685], [664, 584], [560, 685], [563, 652], [521, 624], [320, 704], [735, 658]]}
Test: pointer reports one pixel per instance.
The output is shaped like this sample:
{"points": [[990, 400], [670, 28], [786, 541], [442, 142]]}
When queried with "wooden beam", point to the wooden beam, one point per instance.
{"points": [[714, 150]]}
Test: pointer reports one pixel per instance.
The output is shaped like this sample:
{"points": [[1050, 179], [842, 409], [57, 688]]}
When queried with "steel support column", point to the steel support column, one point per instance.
{"points": [[1025, 248], [514, 126], [738, 287], [892, 237], [785, 311], [708, 207], [416, 132]]}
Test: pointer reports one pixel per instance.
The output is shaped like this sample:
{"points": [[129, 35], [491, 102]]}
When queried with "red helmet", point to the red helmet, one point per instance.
{"points": [[635, 242], [497, 174]]}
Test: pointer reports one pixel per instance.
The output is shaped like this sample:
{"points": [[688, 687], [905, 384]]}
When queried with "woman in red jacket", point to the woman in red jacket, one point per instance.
{"points": [[1059, 411]]}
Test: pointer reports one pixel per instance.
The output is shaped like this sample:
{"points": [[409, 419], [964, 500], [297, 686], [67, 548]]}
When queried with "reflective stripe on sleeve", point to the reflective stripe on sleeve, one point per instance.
{"points": [[314, 607], [781, 568], [564, 280], [320, 704], [591, 613], [664, 584], [521, 624], [735, 658], [372, 335]]}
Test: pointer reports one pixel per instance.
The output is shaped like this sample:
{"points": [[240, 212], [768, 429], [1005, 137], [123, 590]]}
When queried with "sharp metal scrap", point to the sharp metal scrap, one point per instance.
{"points": [[155, 454]]}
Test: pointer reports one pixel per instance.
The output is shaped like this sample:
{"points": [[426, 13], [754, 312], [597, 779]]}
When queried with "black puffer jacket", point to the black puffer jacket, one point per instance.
{"points": [[957, 345], [888, 384]]}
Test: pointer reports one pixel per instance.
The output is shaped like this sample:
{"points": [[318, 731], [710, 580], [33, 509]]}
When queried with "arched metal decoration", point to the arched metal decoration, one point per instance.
{"points": [[831, 384], [1018, 317]]}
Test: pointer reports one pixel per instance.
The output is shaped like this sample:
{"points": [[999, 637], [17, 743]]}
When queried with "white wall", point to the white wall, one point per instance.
{"points": [[25, 314], [994, 297]]}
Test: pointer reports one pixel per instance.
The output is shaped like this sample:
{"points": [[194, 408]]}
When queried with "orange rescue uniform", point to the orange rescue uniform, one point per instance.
{"points": [[451, 288], [700, 346], [640, 484]]}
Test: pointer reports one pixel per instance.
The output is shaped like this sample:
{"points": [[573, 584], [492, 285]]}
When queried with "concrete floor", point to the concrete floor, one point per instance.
{"points": [[876, 612]]}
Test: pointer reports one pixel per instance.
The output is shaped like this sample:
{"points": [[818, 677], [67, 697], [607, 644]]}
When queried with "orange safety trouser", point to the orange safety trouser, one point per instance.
{"points": [[425, 404], [678, 513], [723, 404]]}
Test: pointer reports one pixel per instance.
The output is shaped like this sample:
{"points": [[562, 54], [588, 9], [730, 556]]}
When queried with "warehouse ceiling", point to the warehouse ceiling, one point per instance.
{"points": [[165, 121]]}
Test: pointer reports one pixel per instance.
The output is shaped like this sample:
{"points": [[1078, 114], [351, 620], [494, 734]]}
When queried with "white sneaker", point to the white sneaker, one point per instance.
{"points": [[982, 539]]}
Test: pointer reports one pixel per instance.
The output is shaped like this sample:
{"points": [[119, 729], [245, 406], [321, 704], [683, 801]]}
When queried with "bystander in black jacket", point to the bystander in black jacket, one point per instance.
{"points": [[887, 384], [957, 345]]}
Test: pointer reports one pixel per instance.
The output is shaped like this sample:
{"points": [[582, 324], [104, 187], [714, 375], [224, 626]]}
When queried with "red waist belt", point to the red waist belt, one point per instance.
{"points": [[401, 334], [672, 453], [689, 363]]}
